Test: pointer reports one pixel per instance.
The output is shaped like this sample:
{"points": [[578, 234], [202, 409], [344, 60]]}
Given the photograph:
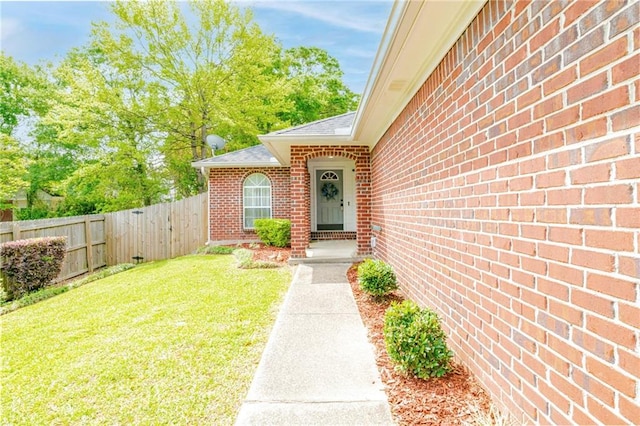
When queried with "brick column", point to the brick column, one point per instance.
{"points": [[300, 205], [363, 201]]}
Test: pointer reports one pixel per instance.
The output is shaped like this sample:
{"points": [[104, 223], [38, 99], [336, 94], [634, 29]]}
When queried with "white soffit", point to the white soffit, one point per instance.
{"points": [[424, 33]]}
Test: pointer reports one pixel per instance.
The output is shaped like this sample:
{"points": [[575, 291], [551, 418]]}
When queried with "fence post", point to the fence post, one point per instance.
{"points": [[89, 240], [16, 231]]}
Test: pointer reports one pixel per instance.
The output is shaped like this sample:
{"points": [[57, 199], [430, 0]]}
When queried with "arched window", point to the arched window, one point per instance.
{"points": [[256, 198], [329, 175]]}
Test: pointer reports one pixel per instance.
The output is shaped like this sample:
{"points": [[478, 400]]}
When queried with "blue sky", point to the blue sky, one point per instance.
{"points": [[349, 30]]}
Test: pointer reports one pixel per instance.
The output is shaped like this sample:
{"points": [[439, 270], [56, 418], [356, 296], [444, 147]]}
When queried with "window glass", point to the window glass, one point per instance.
{"points": [[256, 198]]}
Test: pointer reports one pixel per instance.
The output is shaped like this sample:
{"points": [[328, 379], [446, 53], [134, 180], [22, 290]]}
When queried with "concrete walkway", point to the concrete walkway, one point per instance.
{"points": [[318, 367]]}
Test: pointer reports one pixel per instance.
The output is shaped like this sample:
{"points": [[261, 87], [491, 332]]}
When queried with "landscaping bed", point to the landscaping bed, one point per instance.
{"points": [[453, 399], [264, 253]]}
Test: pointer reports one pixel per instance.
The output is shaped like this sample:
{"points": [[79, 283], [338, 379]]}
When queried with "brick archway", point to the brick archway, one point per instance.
{"points": [[301, 193]]}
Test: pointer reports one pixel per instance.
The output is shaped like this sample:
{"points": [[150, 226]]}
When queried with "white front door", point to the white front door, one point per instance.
{"points": [[337, 213], [330, 199]]}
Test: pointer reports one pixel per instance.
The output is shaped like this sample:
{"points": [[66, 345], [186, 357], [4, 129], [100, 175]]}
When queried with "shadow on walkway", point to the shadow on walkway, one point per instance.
{"points": [[318, 367]]}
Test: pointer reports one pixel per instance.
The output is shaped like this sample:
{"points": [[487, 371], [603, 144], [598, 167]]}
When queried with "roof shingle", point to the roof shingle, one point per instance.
{"points": [[254, 155], [338, 125]]}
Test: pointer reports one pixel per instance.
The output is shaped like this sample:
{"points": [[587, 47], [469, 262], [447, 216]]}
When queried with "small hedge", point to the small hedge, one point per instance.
{"points": [[376, 278], [216, 250], [415, 340], [244, 257], [274, 232], [29, 265]]}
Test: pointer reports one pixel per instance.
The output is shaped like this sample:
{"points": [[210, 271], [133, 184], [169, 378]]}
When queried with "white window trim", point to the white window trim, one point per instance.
{"points": [[244, 208]]}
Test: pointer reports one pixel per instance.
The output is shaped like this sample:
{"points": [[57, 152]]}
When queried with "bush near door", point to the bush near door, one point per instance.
{"points": [[376, 278], [274, 232]]}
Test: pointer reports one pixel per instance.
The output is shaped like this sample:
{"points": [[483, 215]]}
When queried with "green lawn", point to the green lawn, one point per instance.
{"points": [[172, 342]]}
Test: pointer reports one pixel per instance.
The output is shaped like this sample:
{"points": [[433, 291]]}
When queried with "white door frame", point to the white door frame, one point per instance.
{"points": [[348, 187]]}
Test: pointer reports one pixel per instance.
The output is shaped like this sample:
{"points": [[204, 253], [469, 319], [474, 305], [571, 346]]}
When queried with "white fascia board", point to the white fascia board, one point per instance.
{"points": [[397, 11], [425, 32], [210, 165]]}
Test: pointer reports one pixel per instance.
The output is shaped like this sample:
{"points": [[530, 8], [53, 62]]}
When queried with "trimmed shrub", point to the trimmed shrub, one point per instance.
{"points": [[274, 232], [415, 340], [29, 265], [244, 257], [376, 278], [216, 250]]}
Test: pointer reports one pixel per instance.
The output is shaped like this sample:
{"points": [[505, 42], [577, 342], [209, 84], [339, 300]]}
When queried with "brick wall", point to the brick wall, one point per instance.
{"points": [[301, 196], [507, 192], [225, 200]]}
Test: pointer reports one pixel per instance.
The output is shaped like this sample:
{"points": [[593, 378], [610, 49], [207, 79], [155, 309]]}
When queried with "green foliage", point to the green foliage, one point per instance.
{"points": [[216, 250], [415, 340], [21, 92], [107, 112], [14, 168], [212, 71], [376, 278], [29, 265], [38, 211], [117, 123], [274, 232], [244, 259], [318, 90]]}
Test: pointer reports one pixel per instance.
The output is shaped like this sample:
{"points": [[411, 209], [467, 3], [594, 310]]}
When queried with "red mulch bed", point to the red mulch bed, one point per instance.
{"points": [[261, 252], [454, 399]]}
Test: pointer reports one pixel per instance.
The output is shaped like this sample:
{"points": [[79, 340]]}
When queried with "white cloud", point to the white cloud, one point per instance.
{"points": [[348, 15], [9, 27]]}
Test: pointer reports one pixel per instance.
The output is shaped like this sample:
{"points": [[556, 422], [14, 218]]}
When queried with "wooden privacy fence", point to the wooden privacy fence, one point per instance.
{"points": [[161, 231], [157, 232], [85, 240]]}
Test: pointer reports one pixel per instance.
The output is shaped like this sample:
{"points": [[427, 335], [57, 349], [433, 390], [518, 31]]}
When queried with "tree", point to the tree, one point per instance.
{"points": [[215, 77], [106, 112], [30, 163], [13, 166], [117, 124], [318, 90], [21, 93]]}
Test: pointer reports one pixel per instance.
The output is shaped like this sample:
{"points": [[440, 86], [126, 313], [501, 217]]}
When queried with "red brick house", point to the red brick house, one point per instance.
{"points": [[495, 158]]}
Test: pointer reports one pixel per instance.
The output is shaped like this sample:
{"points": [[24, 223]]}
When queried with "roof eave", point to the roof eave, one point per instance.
{"points": [[247, 164], [280, 145], [417, 37]]}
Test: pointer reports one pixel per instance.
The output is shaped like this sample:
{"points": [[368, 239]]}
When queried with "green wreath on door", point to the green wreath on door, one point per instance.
{"points": [[329, 191]]}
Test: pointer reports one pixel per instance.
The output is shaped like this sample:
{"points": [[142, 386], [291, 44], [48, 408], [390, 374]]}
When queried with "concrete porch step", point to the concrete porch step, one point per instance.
{"points": [[332, 251]]}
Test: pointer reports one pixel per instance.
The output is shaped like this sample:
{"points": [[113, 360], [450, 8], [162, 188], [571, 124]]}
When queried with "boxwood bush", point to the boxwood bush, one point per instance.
{"points": [[415, 340], [29, 265], [376, 278], [274, 232]]}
